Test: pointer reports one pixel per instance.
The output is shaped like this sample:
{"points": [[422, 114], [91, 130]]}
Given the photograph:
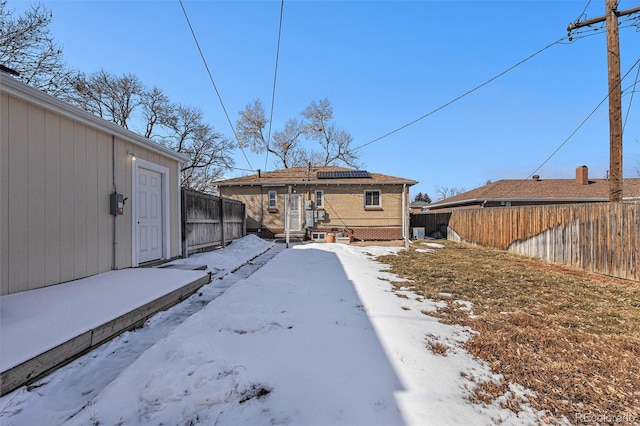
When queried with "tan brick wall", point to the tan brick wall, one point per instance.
{"points": [[343, 206], [257, 207]]}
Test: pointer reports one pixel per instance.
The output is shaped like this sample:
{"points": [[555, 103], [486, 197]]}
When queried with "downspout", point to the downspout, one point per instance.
{"points": [[114, 264], [404, 217], [261, 210], [287, 216], [261, 205]]}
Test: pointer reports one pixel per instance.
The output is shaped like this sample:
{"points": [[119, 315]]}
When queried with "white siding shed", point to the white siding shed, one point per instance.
{"points": [[59, 166]]}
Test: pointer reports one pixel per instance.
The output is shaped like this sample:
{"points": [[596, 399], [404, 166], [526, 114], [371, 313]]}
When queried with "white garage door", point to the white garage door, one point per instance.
{"points": [[149, 219]]}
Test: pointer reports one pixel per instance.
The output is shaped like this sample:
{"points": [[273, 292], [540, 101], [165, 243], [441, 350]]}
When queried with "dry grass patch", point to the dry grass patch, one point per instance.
{"points": [[570, 336], [435, 346]]}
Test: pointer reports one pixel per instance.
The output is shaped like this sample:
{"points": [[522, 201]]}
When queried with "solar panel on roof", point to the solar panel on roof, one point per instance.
{"points": [[344, 174]]}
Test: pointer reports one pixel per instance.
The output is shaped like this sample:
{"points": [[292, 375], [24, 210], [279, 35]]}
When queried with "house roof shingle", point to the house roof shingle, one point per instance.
{"points": [[304, 175], [551, 190]]}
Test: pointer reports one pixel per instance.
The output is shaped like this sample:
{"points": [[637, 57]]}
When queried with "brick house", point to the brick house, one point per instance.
{"points": [[323, 200], [537, 191]]}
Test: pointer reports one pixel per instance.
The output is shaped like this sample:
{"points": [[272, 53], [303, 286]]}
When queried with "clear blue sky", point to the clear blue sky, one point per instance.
{"points": [[383, 64]]}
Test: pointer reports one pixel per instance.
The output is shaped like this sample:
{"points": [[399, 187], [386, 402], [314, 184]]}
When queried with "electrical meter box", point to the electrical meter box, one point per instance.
{"points": [[309, 222], [117, 204]]}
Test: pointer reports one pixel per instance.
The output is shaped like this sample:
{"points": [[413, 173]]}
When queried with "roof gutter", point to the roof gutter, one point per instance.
{"points": [[315, 182], [483, 201]]}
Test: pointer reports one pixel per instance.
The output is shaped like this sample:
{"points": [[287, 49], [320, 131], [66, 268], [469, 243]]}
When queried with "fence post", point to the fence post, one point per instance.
{"points": [[222, 221], [244, 220], [183, 211]]}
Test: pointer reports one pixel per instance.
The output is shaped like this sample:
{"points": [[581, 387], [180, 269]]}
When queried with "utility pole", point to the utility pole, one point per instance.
{"points": [[615, 92]]}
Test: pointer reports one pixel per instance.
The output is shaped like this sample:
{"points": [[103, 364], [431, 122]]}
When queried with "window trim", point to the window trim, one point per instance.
{"points": [[372, 206], [321, 204], [275, 199]]}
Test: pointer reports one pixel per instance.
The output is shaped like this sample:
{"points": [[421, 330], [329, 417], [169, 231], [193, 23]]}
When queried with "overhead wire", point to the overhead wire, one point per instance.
{"points": [[584, 12], [275, 78], [633, 91], [624, 123], [576, 130], [575, 36], [404, 126], [206, 65]]}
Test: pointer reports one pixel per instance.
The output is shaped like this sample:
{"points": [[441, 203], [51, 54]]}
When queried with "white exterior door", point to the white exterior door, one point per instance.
{"points": [[295, 223], [149, 212]]}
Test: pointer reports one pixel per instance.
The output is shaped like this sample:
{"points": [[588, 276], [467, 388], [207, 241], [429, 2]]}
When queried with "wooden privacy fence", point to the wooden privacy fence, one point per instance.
{"points": [[597, 237], [209, 221]]}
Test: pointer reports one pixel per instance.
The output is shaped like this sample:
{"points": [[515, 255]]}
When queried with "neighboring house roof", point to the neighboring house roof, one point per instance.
{"points": [[541, 190], [15, 88], [418, 204], [331, 175]]}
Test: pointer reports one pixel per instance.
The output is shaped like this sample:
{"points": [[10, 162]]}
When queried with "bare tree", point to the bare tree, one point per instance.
{"points": [[157, 111], [125, 101], [109, 96], [27, 47], [250, 129], [291, 146], [208, 150], [444, 192], [335, 142], [287, 143]]}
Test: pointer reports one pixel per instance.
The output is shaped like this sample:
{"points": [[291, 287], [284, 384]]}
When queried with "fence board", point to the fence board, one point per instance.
{"points": [[597, 237], [209, 221]]}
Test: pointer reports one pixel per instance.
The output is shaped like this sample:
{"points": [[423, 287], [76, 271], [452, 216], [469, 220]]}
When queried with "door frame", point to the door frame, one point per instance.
{"points": [[164, 173]]}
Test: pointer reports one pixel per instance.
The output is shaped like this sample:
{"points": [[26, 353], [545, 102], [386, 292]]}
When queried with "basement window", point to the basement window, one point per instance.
{"points": [[319, 236]]}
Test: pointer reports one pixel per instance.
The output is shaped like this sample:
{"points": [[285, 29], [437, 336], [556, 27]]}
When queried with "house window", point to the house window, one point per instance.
{"points": [[372, 198], [319, 199], [273, 198]]}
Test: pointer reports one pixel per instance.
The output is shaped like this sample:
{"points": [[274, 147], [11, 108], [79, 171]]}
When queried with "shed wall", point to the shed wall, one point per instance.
{"points": [[57, 175]]}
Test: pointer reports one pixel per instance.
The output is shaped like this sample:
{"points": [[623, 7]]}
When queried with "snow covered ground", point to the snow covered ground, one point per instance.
{"points": [[316, 336]]}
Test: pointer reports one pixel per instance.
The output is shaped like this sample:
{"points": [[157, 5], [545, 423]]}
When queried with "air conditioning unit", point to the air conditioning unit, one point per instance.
{"points": [[417, 233]]}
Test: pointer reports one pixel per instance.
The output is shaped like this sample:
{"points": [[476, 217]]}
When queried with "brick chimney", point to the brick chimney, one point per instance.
{"points": [[582, 175]]}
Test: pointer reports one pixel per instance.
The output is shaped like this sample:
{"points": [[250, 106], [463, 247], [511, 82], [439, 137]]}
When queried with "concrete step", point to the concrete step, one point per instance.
{"points": [[185, 267]]}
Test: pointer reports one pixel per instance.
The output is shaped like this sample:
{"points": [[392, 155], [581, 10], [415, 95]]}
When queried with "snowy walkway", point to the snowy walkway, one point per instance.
{"points": [[316, 336]]}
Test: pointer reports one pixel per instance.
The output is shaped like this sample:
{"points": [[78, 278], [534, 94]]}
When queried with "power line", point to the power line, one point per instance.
{"points": [[575, 131], [213, 82], [461, 96], [583, 14], [633, 91], [611, 20], [273, 93]]}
